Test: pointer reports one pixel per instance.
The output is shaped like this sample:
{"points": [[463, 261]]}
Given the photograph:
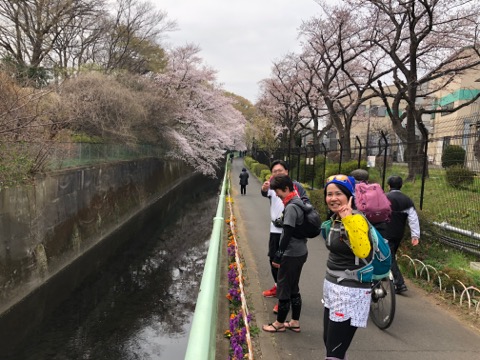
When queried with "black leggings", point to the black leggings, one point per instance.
{"points": [[337, 336], [273, 243], [274, 271], [295, 302], [397, 275], [288, 291]]}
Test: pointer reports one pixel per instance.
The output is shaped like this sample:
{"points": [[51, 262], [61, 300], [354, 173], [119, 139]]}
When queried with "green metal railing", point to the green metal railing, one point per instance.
{"points": [[202, 338]]}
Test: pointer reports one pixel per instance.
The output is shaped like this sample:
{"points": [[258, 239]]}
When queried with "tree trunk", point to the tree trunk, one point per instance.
{"points": [[416, 151], [346, 148]]}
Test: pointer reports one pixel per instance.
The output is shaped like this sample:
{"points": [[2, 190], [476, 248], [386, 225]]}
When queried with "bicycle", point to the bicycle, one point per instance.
{"points": [[382, 306]]}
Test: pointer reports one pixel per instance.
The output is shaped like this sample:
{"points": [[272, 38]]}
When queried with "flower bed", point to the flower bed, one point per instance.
{"points": [[239, 331]]}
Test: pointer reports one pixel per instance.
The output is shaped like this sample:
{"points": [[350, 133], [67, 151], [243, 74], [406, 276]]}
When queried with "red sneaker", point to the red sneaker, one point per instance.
{"points": [[275, 309], [271, 293]]}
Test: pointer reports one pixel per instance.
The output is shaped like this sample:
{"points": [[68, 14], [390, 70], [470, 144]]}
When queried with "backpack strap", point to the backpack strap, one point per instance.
{"points": [[343, 274], [350, 274], [357, 259]]}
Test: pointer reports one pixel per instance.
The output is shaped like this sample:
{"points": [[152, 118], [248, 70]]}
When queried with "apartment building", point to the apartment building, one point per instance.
{"points": [[461, 127]]}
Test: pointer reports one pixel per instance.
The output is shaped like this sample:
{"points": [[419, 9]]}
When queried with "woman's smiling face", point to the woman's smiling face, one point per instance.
{"points": [[335, 198]]}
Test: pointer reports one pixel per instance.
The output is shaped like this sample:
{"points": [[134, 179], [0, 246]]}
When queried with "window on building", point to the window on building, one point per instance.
{"points": [[448, 106], [378, 111], [382, 111], [446, 142], [362, 110], [433, 106], [476, 105]]}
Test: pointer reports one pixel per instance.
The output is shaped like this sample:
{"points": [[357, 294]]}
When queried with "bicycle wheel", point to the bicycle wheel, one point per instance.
{"points": [[382, 307]]}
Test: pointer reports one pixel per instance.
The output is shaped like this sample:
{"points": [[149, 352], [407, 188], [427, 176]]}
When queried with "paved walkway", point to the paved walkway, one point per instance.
{"points": [[421, 329]]}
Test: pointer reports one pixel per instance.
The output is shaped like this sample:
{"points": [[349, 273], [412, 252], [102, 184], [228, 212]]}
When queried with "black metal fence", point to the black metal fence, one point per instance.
{"points": [[449, 202]]}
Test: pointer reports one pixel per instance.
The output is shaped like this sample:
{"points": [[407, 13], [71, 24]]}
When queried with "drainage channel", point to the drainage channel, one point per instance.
{"points": [[140, 305]]}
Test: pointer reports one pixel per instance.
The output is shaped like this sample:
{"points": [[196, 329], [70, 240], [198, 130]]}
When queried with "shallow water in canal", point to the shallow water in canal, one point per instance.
{"points": [[141, 304]]}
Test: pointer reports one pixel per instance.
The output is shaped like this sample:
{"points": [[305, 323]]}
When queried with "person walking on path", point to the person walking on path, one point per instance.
{"points": [[346, 300], [289, 258], [243, 181], [403, 210], [278, 167]]}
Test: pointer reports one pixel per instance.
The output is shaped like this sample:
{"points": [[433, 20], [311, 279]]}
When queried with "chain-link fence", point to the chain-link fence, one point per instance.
{"points": [[19, 160], [64, 155], [449, 196]]}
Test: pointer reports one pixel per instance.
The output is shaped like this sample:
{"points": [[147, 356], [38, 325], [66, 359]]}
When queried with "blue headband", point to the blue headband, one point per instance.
{"points": [[348, 182]]}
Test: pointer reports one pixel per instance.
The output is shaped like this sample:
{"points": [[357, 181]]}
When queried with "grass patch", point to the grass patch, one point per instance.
{"points": [[454, 263], [459, 207]]}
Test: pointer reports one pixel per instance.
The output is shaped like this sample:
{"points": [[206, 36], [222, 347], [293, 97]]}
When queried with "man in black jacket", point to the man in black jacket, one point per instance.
{"points": [[403, 210], [243, 181]]}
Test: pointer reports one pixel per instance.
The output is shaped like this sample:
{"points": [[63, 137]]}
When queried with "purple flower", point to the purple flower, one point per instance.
{"points": [[232, 275], [238, 351], [233, 326], [237, 326]]}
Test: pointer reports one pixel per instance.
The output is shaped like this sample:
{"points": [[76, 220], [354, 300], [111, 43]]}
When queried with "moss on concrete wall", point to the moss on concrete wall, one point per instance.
{"points": [[46, 226]]}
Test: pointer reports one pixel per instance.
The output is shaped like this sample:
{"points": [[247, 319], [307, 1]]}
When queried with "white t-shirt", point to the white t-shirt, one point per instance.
{"points": [[276, 210]]}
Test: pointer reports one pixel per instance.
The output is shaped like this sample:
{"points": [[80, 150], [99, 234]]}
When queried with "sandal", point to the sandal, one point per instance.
{"points": [[290, 327], [275, 329]]}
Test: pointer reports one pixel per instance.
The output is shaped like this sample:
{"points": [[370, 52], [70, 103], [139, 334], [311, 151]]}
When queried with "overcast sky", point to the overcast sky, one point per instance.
{"points": [[240, 39]]}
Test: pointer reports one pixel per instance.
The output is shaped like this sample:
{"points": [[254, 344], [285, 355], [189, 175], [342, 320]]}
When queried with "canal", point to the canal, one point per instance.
{"points": [[140, 305]]}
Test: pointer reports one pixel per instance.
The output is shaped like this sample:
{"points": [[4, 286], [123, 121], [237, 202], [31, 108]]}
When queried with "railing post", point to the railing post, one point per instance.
{"points": [[360, 152], [298, 164], [341, 156], [384, 159], [314, 172], [324, 163], [305, 167]]}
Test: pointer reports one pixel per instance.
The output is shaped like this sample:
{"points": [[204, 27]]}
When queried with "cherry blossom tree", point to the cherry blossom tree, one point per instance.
{"points": [[250, 113], [279, 102], [263, 133], [314, 109], [205, 123], [341, 64], [425, 42]]}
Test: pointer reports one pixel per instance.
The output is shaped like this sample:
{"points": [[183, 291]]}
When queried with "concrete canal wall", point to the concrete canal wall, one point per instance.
{"points": [[62, 228]]}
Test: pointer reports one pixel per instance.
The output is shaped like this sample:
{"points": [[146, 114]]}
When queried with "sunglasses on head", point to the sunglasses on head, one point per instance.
{"points": [[340, 177]]}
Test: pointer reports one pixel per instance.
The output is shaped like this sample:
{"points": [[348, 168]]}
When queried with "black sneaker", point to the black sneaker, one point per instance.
{"points": [[400, 288]]}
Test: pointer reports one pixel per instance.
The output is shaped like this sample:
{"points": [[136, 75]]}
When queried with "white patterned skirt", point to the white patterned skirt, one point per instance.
{"points": [[347, 303]]}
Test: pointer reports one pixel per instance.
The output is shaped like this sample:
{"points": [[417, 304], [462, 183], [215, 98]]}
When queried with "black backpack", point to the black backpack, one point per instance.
{"points": [[311, 224]]}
